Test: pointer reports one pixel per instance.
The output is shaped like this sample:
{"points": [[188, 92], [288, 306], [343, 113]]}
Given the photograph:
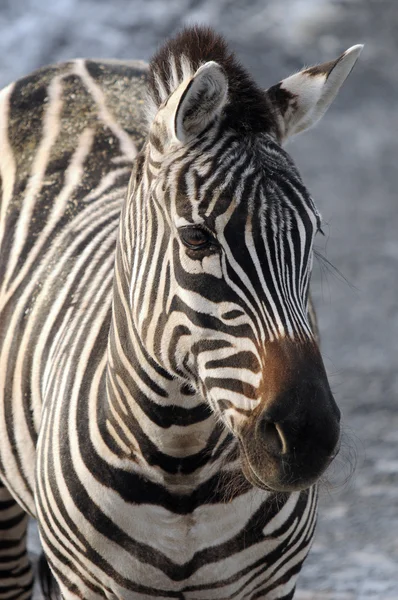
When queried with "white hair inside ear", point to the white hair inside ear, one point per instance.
{"points": [[195, 103], [202, 101]]}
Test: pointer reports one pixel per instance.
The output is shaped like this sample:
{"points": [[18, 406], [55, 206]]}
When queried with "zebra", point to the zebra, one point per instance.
{"points": [[165, 413]]}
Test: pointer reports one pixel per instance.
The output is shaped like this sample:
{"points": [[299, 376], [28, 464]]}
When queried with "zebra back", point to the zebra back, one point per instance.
{"points": [[69, 136]]}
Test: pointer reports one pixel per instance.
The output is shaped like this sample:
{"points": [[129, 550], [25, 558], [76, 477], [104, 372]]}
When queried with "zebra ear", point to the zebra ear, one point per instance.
{"points": [[200, 102], [302, 99]]}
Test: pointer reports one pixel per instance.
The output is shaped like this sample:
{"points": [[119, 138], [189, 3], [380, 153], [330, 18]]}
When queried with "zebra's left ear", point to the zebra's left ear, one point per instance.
{"points": [[302, 99], [200, 102]]}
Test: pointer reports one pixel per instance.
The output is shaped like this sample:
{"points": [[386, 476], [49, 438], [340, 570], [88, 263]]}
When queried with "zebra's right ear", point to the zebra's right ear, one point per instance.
{"points": [[196, 102], [301, 100]]}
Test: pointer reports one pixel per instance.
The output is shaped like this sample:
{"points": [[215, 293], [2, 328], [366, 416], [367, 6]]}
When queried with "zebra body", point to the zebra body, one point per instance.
{"points": [[132, 365]]}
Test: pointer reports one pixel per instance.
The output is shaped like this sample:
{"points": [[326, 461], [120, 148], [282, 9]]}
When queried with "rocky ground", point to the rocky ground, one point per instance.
{"points": [[350, 164]]}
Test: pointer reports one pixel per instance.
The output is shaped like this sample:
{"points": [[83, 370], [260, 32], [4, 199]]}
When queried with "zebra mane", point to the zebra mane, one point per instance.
{"points": [[248, 109]]}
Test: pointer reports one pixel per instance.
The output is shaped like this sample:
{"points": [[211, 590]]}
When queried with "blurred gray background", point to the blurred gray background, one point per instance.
{"points": [[350, 164]]}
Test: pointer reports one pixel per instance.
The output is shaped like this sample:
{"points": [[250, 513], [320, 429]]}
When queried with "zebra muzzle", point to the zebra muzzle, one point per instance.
{"points": [[289, 443]]}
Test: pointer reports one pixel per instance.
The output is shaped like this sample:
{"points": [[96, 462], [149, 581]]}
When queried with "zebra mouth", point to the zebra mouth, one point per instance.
{"points": [[280, 477], [275, 486], [251, 475], [254, 479]]}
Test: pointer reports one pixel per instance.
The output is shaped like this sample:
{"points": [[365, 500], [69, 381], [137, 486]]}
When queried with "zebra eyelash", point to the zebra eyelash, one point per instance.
{"points": [[197, 238]]}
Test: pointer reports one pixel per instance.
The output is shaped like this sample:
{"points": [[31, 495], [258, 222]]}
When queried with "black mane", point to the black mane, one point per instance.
{"points": [[249, 109]]}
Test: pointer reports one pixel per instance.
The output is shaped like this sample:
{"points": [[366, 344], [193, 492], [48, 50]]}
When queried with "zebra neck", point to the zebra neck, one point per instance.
{"points": [[171, 438], [151, 417]]}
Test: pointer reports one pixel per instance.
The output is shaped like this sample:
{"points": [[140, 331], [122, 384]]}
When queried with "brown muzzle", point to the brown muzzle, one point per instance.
{"points": [[294, 434]]}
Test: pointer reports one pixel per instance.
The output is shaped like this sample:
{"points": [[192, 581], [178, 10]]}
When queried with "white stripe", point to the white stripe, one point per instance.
{"points": [[7, 162], [127, 145]]}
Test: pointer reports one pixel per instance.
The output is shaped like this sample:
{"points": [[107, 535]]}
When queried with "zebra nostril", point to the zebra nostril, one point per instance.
{"points": [[273, 438]]}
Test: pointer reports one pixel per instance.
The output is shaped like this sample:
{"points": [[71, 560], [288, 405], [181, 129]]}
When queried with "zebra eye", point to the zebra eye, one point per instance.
{"points": [[195, 237]]}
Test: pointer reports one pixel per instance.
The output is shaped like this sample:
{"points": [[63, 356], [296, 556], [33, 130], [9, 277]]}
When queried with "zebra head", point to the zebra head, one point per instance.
{"points": [[221, 247]]}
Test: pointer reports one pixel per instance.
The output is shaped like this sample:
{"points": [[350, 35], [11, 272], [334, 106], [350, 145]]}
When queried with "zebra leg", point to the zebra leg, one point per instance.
{"points": [[16, 578]]}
